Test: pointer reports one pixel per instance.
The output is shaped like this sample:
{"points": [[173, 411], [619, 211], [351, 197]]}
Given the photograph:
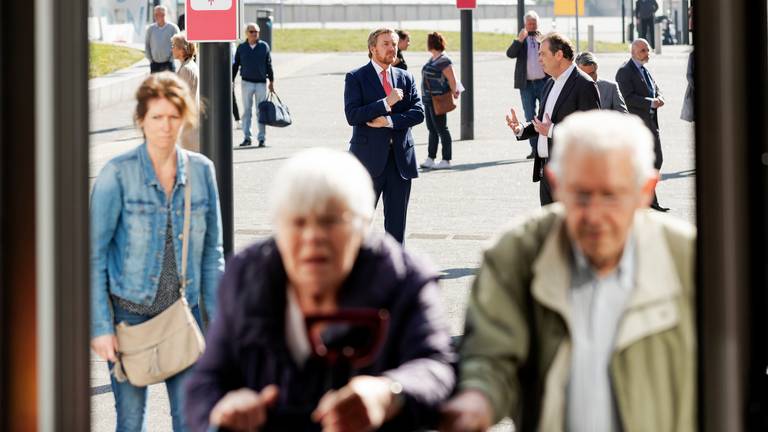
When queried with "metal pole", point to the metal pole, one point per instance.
{"points": [[684, 26], [520, 14], [467, 102], [216, 126], [623, 23], [577, 25]]}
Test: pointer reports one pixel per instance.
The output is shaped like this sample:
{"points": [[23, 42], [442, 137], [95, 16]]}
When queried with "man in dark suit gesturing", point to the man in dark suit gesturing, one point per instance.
{"points": [[643, 98], [381, 104], [567, 91]]}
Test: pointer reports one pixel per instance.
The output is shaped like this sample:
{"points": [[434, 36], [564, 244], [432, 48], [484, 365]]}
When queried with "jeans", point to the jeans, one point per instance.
{"points": [[131, 401], [530, 94], [438, 131], [253, 90]]}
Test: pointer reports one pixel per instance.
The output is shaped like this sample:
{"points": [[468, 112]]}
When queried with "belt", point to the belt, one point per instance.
{"points": [[540, 79]]}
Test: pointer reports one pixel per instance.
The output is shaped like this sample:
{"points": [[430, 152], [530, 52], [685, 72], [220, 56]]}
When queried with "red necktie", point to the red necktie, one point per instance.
{"points": [[385, 83]]}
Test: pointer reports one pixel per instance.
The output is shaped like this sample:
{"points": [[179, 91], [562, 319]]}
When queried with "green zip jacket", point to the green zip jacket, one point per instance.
{"points": [[517, 348]]}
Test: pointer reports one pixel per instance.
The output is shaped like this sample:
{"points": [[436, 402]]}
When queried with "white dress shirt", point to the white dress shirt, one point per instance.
{"points": [[542, 147], [391, 83]]}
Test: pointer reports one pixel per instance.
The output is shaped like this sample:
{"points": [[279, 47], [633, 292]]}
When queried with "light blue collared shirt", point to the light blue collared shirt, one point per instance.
{"points": [[597, 305]]}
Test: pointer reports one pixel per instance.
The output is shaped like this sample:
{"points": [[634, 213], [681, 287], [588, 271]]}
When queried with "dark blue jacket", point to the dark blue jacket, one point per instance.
{"points": [[255, 64], [364, 101], [246, 343]]}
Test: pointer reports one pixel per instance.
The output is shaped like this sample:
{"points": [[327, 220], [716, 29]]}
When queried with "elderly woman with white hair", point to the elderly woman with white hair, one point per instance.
{"points": [[272, 362]]}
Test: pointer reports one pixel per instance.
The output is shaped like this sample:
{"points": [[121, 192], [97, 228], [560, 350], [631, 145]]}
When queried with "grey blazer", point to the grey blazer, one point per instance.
{"points": [[610, 96]]}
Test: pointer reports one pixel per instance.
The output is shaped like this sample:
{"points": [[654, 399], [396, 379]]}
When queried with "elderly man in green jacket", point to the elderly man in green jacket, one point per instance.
{"points": [[582, 316]]}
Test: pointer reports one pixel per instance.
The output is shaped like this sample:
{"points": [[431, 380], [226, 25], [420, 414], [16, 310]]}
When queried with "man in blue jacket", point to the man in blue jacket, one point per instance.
{"points": [[255, 63], [382, 104]]}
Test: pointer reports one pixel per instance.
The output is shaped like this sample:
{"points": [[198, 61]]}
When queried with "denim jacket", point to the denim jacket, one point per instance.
{"points": [[128, 228]]}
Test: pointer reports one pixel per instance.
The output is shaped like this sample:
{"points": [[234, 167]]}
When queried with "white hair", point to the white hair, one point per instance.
{"points": [[531, 15], [602, 131], [636, 42], [252, 25], [162, 8], [312, 179]]}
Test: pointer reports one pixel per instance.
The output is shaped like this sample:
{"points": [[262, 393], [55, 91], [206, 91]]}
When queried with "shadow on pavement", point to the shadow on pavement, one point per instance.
{"points": [[479, 165], [678, 174], [456, 273]]}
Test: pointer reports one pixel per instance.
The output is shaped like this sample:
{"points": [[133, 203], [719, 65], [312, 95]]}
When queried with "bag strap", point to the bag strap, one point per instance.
{"points": [[185, 229], [276, 97]]}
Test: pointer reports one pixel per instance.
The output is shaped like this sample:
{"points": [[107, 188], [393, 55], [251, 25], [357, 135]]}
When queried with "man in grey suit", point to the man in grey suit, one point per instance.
{"points": [[610, 95]]}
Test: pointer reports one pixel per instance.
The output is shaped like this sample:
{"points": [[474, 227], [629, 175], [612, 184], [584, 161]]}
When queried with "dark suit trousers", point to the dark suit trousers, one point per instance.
{"points": [[646, 31], [396, 192], [545, 191], [658, 155]]}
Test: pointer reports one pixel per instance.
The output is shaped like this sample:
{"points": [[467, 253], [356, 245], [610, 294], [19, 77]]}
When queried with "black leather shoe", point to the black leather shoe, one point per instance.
{"points": [[246, 142], [531, 156], [261, 143], [660, 208]]}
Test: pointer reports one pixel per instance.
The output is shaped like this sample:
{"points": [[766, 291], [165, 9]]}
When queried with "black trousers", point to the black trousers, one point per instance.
{"points": [[646, 30], [545, 191], [159, 67], [235, 110], [438, 131]]}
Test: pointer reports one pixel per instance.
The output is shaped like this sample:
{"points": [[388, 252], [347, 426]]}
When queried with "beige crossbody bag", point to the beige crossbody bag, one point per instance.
{"points": [[170, 342]]}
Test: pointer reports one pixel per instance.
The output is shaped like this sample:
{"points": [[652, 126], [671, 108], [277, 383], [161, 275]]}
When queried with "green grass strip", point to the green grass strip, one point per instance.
{"points": [[107, 58], [337, 40]]}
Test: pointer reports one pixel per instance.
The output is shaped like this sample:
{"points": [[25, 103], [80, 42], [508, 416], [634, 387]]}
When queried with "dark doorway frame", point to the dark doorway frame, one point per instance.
{"points": [[732, 213]]}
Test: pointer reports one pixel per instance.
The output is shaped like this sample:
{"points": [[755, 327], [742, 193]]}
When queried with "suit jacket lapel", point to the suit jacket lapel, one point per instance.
{"points": [[567, 88], [641, 79], [375, 81], [398, 77], [545, 94]]}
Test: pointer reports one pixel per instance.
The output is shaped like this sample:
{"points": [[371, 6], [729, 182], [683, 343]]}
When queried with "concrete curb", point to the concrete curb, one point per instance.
{"points": [[118, 86]]}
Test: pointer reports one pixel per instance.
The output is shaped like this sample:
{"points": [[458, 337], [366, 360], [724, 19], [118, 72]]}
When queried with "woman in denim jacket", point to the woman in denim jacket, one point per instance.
{"points": [[137, 213]]}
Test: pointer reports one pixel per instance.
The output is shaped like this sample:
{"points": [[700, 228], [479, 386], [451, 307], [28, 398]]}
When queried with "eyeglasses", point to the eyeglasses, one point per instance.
{"points": [[253, 31], [606, 200]]}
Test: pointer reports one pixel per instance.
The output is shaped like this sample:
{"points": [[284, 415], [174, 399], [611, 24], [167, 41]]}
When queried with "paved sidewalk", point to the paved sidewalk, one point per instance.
{"points": [[452, 213]]}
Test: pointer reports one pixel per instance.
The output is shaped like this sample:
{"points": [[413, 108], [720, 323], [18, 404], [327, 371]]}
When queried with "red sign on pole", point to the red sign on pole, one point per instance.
{"points": [[212, 20], [466, 4]]}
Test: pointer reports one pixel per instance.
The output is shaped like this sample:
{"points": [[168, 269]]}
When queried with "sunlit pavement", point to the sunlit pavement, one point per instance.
{"points": [[452, 214]]}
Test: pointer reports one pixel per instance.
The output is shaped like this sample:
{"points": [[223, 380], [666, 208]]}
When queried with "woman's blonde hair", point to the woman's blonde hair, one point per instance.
{"points": [[168, 86], [180, 40]]}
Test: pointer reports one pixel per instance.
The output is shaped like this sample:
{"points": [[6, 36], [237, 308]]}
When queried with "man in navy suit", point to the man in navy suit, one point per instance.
{"points": [[643, 98], [382, 104]]}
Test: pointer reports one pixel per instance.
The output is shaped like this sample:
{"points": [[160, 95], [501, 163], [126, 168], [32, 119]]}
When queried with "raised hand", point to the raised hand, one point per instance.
{"points": [[513, 122], [395, 96], [522, 35], [542, 126]]}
